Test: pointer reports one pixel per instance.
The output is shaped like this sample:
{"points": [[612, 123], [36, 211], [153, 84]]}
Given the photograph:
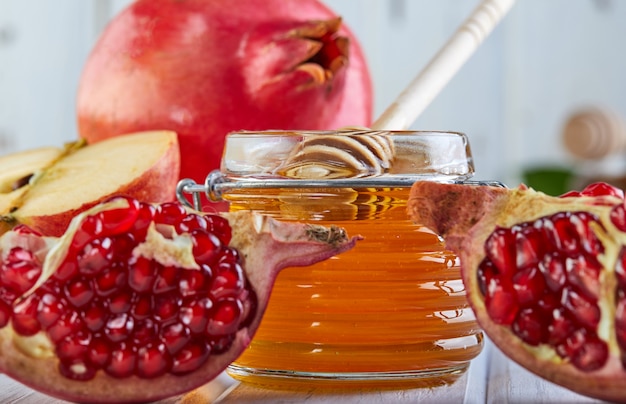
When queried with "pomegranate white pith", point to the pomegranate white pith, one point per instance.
{"points": [[545, 275], [139, 302]]}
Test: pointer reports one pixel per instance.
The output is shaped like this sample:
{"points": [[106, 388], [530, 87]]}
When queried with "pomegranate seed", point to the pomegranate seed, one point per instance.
{"points": [[190, 358], [220, 226], [123, 245], [564, 233], [169, 213], [25, 316], [166, 307], [548, 303], [195, 314], [144, 332], [166, 279], [120, 302], [95, 317], [586, 352], [584, 273], [230, 255], [560, 327], [529, 243], [90, 228], [571, 194], [591, 356], [602, 188], [119, 327], [20, 270], [50, 309], [618, 216], [122, 361], [226, 317], [589, 241], [191, 222], [79, 291], [74, 346], [229, 280], [528, 325], [206, 246], [8, 295], [553, 270], [68, 323], [144, 218], [96, 256], [141, 274], [573, 342], [98, 353], [153, 361], [110, 280], [500, 249], [76, 370], [118, 221], [529, 286], [193, 282], [142, 308], [581, 308], [175, 336], [501, 301]]}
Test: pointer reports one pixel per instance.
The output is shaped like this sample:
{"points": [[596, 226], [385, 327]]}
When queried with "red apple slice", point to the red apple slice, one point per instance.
{"points": [[143, 165]]}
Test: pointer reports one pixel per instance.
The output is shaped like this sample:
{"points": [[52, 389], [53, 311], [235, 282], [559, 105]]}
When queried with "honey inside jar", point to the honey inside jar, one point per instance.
{"points": [[390, 312]]}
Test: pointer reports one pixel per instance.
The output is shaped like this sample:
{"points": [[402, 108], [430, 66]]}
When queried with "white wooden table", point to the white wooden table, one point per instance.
{"points": [[492, 378]]}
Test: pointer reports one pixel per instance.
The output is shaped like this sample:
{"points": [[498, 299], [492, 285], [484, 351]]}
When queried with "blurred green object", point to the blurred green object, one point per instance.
{"points": [[553, 181]]}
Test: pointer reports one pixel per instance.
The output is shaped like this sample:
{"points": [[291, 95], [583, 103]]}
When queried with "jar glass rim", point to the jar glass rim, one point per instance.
{"points": [[347, 154]]}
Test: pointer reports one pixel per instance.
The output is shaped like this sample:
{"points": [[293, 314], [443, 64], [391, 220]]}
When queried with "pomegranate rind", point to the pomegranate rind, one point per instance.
{"points": [[266, 245], [465, 216], [247, 66]]}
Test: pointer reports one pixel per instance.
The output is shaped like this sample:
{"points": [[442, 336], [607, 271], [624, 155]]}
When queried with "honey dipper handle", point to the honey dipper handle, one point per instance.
{"points": [[424, 88]]}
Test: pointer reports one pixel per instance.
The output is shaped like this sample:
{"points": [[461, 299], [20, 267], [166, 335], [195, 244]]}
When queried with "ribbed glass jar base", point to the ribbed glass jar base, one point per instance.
{"points": [[284, 379]]}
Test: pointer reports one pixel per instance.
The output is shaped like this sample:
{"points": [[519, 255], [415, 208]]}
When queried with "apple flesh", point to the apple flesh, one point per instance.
{"points": [[17, 170], [142, 165]]}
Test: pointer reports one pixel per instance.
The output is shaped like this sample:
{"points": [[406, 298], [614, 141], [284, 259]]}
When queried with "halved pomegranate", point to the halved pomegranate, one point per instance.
{"points": [[137, 302], [546, 276]]}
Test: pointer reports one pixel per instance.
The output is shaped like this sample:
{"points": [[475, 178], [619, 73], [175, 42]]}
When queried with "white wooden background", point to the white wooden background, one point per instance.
{"points": [[547, 59]]}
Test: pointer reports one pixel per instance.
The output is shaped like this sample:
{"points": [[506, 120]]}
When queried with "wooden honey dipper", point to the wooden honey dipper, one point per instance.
{"points": [[410, 103], [594, 133]]}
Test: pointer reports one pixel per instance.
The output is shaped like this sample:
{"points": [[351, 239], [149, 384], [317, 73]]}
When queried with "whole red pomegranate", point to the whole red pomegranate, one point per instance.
{"points": [[137, 302], [546, 276], [204, 68]]}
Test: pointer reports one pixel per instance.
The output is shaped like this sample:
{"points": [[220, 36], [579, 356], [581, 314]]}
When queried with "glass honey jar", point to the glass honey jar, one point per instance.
{"points": [[391, 312]]}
